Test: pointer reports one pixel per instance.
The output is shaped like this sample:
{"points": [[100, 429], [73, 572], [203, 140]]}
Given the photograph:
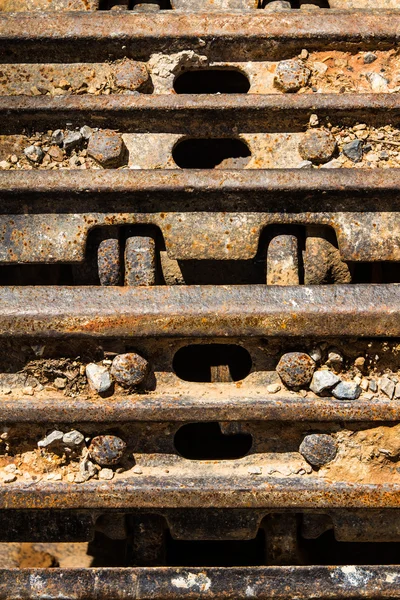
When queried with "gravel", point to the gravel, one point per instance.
{"points": [[73, 438], [354, 150], [106, 474], [72, 140], [53, 438], [273, 388], [387, 386], [323, 380], [34, 153], [346, 390], [99, 378]]}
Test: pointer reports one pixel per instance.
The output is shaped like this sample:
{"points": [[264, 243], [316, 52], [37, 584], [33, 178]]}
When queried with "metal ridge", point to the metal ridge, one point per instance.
{"points": [[159, 406], [72, 36], [174, 113], [174, 490], [158, 583], [268, 181], [200, 311]]}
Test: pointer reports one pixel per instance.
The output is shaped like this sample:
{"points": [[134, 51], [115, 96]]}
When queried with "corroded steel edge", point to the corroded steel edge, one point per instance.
{"points": [[266, 181], [185, 113], [76, 36], [157, 583], [201, 311], [165, 407], [164, 491]]}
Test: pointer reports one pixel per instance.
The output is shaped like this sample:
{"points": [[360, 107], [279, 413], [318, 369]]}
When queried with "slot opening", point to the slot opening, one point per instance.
{"points": [[212, 81], [211, 153], [205, 441]]}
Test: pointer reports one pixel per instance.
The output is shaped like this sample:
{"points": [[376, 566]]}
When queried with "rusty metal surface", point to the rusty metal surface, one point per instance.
{"points": [[68, 37], [201, 311], [182, 113], [264, 583], [202, 489], [184, 408], [219, 215]]}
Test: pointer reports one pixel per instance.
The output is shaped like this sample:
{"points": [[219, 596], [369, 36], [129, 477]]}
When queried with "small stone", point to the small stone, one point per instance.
{"points": [[55, 437], [316, 354], [318, 449], [291, 75], [304, 54], [57, 137], [86, 131], [346, 390], [5, 165], [369, 57], [12, 468], [273, 388], [56, 153], [397, 391], [387, 387], [314, 120], [137, 470], [377, 82], [278, 5], [28, 391], [60, 383], [64, 84], [335, 361], [107, 450], [296, 369], [319, 68], [13, 159], [72, 141], [323, 380], [305, 164], [99, 378], [87, 469], [106, 474], [373, 386], [332, 164], [34, 154], [73, 438], [9, 478], [106, 147], [354, 150], [254, 470], [70, 477], [130, 75], [364, 385], [129, 369], [359, 362], [317, 145]]}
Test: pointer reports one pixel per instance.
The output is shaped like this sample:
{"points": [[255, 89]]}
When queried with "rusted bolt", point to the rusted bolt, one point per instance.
{"points": [[291, 75], [130, 75], [296, 369], [318, 449], [109, 262], [317, 145], [107, 450], [106, 147], [129, 369]]}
